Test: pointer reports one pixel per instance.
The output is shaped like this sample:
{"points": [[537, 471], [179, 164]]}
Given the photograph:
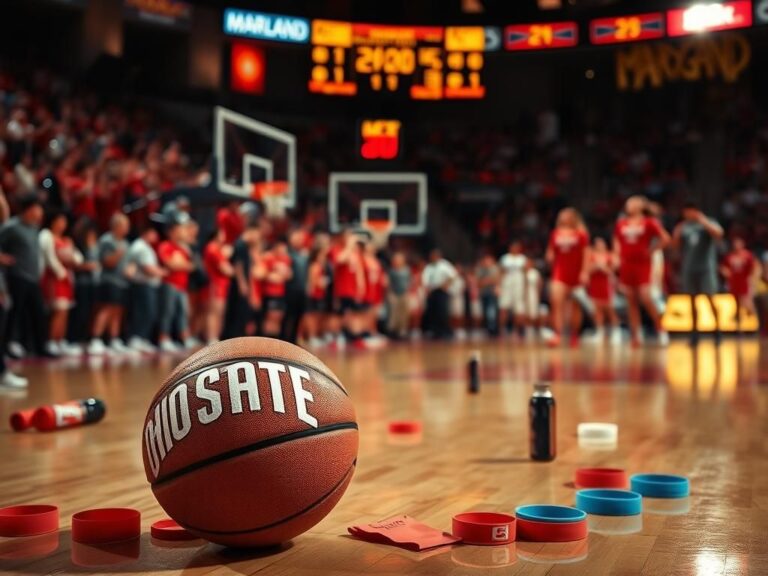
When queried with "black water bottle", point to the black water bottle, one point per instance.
{"points": [[473, 372], [543, 420]]}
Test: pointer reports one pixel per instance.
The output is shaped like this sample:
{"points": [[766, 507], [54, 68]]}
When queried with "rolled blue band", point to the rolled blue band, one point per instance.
{"points": [[609, 502], [549, 513], [660, 485]]}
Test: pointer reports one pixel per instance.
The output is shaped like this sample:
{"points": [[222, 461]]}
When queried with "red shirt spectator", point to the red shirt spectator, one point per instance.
{"points": [[229, 219], [215, 259], [738, 267], [167, 251], [277, 265]]}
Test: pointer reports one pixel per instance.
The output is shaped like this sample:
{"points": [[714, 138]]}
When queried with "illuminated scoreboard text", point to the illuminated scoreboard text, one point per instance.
{"points": [[422, 62]]}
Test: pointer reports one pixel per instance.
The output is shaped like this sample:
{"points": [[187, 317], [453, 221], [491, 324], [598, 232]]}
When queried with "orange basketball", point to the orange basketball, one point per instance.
{"points": [[250, 442]]}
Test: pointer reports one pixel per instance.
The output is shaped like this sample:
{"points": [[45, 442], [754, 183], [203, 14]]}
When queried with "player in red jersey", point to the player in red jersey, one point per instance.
{"points": [[175, 256], [277, 264], [600, 271], [375, 288], [216, 257], [318, 283], [738, 268], [348, 284], [635, 238], [567, 254]]}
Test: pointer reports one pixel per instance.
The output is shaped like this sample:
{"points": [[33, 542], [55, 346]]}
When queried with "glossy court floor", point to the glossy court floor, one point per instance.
{"points": [[702, 413]]}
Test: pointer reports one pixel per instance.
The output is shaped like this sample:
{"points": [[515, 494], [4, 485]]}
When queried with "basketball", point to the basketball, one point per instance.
{"points": [[250, 442]]}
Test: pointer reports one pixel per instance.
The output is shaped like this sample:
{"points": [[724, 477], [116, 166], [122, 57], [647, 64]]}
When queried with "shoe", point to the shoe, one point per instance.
{"points": [[117, 346], [16, 350], [140, 345], [52, 348], [315, 344], [616, 337], [96, 347], [149, 348], [11, 380], [191, 343], [554, 340], [662, 338], [169, 346], [212, 341], [595, 337], [69, 349]]}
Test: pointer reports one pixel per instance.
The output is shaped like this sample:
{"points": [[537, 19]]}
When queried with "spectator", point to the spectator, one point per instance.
{"points": [[397, 296], [7, 378], [296, 287], [318, 282], [175, 256], [230, 219], [239, 310], [512, 287], [348, 286], [19, 240], [375, 283], [600, 282], [86, 240], [216, 257], [738, 269], [488, 282], [437, 278], [60, 258], [145, 289], [277, 265], [113, 289]]}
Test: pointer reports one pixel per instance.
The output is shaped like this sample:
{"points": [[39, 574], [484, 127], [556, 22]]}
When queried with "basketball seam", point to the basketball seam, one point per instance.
{"points": [[282, 520], [254, 447], [250, 358]]}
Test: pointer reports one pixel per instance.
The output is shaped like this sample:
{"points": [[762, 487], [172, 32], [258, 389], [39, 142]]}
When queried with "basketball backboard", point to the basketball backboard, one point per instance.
{"points": [[250, 152], [355, 198]]}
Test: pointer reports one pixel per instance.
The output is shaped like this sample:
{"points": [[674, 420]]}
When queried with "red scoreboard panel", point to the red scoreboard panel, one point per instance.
{"points": [[627, 28], [420, 62], [541, 36], [709, 18]]}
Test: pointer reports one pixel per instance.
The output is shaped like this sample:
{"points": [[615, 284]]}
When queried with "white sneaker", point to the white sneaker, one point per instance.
{"points": [[11, 380], [169, 346], [595, 337], [117, 346], [140, 345], [315, 344], [97, 347], [16, 350], [663, 338], [616, 336], [52, 348], [149, 348], [191, 343], [69, 349]]}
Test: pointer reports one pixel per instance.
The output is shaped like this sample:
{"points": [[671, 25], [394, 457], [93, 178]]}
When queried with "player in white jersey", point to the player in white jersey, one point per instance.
{"points": [[531, 310], [512, 293]]}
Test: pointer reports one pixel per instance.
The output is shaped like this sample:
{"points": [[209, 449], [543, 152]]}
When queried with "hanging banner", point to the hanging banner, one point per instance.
{"points": [[722, 57], [172, 13]]}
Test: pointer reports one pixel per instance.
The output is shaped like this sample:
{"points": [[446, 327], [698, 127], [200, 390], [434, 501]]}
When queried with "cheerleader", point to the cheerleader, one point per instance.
{"points": [[60, 257], [600, 270]]}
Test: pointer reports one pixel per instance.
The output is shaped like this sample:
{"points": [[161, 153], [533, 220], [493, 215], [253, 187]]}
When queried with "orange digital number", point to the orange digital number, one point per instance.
{"points": [[540, 35], [628, 28]]}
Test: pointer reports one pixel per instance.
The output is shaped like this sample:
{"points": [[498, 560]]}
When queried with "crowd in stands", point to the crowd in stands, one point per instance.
{"points": [[83, 275]]}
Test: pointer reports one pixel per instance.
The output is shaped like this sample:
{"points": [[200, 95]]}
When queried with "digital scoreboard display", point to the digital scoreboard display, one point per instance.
{"points": [[541, 36], [417, 62], [627, 28]]}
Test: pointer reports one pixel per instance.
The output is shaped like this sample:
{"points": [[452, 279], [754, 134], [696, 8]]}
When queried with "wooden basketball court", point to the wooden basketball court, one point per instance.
{"points": [[702, 413]]}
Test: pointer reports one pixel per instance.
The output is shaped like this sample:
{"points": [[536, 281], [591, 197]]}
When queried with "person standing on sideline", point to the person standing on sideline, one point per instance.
{"points": [[696, 237], [7, 378], [512, 288], [738, 268], [567, 254], [87, 273], [239, 302], [635, 238], [437, 277], [113, 288], [318, 285], [397, 296], [216, 255], [60, 257], [175, 256], [296, 287], [145, 287], [19, 239], [487, 274]]}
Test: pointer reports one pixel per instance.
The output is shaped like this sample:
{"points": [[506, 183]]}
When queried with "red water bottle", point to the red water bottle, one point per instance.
{"points": [[57, 416]]}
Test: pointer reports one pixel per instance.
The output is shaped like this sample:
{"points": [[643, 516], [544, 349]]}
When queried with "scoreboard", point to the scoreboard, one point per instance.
{"points": [[419, 62]]}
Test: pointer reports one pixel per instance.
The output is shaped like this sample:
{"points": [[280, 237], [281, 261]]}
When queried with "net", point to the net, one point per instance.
{"points": [[273, 196], [379, 231]]}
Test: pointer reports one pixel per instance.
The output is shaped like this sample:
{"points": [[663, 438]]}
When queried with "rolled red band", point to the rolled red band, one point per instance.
{"points": [[29, 520], [22, 420], [106, 525], [601, 478], [169, 530], [485, 528], [531, 531], [404, 427]]}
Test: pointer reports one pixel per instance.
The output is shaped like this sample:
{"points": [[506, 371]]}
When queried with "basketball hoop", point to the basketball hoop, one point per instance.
{"points": [[379, 231], [273, 196]]}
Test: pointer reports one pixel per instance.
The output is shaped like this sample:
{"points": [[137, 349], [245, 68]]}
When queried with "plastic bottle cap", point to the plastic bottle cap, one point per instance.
{"points": [[169, 530], [28, 520], [661, 485], [609, 502], [106, 525], [598, 432], [549, 513], [484, 528], [532, 531], [22, 420], [601, 478]]}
